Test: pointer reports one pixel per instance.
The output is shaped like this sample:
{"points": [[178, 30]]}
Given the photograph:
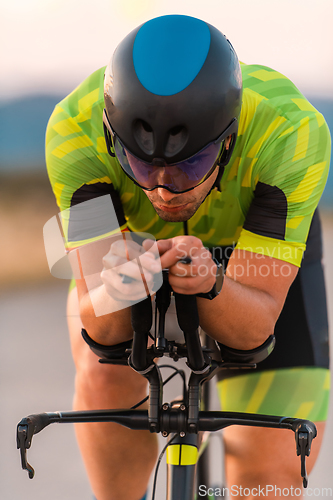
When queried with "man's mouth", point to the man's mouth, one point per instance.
{"points": [[171, 208]]}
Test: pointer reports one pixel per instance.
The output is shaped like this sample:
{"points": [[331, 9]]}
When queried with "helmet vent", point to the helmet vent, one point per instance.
{"points": [[177, 139], [144, 136]]}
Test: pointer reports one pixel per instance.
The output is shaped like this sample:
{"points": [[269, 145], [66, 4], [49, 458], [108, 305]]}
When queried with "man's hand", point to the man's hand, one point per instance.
{"points": [[196, 277], [129, 269]]}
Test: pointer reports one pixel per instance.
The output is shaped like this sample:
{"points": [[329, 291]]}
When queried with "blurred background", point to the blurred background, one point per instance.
{"points": [[48, 48]]}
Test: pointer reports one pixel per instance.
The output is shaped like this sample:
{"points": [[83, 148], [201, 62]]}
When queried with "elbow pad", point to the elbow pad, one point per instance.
{"points": [[109, 352], [250, 356]]}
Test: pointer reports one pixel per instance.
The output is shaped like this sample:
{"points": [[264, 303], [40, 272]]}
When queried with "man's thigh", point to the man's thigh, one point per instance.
{"points": [[101, 385], [294, 380]]}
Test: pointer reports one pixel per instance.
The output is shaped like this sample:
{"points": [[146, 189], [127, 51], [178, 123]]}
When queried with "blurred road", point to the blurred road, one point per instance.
{"points": [[37, 374]]}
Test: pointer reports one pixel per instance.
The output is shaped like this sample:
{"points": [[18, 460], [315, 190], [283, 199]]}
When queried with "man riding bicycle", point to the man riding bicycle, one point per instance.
{"points": [[201, 152]]}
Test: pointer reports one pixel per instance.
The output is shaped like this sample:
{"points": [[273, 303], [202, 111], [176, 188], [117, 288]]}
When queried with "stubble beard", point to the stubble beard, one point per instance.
{"points": [[193, 202], [183, 216]]}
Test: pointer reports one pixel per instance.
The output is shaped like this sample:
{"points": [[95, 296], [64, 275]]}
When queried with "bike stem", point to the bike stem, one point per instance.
{"points": [[186, 417]]}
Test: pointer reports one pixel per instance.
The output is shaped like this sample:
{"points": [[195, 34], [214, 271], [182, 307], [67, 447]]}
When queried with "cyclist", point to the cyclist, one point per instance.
{"points": [[200, 160]]}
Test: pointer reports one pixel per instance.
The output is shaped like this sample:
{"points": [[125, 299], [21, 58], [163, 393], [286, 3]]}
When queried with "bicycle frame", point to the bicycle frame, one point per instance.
{"points": [[184, 419]]}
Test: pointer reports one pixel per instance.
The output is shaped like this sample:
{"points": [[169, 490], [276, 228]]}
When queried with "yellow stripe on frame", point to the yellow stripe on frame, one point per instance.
{"points": [[188, 454], [172, 454], [262, 387], [183, 454]]}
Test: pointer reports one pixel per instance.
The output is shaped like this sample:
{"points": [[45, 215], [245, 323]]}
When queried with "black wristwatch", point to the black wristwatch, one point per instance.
{"points": [[218, 283]]}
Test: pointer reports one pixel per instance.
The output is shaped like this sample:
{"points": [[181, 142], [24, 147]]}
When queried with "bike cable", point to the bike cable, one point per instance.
{"points": [[158, 465], [177, 372]]}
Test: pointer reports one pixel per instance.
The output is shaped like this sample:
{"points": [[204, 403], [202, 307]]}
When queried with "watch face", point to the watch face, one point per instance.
{"points": [[219, 279], [217, 286]]}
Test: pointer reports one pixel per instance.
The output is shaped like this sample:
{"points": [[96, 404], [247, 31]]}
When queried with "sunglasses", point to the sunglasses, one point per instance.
{"points": [[175, 177]]}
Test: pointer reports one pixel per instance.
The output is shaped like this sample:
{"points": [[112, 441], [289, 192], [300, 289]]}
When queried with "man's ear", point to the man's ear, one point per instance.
{"points": [[227, 142]]}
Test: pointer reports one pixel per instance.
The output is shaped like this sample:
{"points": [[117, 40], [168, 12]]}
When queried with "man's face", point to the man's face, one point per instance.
{"points": [[173, 207]]}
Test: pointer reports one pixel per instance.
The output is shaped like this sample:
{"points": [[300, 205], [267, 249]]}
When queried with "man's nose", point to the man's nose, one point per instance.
{"points": [[165, 194]]}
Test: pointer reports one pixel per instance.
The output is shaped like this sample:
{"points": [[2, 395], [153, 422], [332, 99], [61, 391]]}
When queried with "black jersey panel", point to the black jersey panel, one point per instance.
{"points": [[268, 212], [90, 222]]}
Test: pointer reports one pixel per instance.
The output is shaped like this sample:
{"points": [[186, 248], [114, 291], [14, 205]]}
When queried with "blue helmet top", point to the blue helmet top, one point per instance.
{"points": [[173, 86], [164, 64]]}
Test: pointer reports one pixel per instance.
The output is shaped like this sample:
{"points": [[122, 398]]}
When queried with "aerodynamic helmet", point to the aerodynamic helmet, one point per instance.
{"points": [[172, 94]]}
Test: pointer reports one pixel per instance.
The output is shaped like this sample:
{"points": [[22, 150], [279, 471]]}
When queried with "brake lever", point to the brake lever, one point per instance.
{"points": [[304, 435], [25, 430], [23, 439]]}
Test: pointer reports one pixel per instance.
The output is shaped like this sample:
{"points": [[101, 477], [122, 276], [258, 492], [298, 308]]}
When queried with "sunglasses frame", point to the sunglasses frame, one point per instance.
{"points": [[111, 137]]}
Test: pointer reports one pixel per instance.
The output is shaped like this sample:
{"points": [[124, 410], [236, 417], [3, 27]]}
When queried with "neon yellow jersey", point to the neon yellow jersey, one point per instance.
{"points": [[269, 189]]}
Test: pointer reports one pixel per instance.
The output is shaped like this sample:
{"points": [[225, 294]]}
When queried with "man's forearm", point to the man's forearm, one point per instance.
{"points": [[108, 328], [241, 317]]}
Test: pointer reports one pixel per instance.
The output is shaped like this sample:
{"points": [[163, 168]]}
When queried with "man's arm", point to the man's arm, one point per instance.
{"points": [[104, 297], [244, 314], [255, 287], [107, 329]]}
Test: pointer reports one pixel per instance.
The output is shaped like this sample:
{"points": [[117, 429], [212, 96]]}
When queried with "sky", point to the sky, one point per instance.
{"points": [[50, 46]]}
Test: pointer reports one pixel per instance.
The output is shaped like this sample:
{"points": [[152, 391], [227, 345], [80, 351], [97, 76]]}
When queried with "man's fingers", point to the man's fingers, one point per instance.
{"points": [[118, 289], [127, 249], [164, 245], [149, 245], [171, 257]]}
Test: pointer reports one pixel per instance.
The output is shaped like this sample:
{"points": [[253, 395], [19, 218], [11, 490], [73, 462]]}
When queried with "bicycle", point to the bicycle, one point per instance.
{"points": [[182, 420]]}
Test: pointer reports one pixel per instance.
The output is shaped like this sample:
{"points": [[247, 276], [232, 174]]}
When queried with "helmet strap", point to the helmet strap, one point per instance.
{"points": [[223, 161], [108, 141], [218, 178]]}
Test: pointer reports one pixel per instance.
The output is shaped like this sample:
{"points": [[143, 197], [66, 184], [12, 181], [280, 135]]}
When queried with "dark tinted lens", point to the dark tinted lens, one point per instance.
{"points": [[179, 177]]}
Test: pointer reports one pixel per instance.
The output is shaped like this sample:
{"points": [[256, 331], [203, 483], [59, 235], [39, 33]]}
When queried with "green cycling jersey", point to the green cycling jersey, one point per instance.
{"points": [[267, 194]]}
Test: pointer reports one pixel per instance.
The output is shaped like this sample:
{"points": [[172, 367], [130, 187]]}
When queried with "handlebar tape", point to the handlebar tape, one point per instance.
{"points": [[142, 316], [187, 312]]}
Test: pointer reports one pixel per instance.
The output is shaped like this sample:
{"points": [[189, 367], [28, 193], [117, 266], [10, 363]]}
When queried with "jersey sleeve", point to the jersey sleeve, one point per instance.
{"points": [[289, 169], [83, 177]]}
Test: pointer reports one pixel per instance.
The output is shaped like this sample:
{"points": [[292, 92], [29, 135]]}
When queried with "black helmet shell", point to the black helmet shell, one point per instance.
{"points": [[198, 102]]}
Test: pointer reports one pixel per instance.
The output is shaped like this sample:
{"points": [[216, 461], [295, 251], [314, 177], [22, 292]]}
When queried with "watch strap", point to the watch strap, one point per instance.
{"points": [[214, 292]]}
